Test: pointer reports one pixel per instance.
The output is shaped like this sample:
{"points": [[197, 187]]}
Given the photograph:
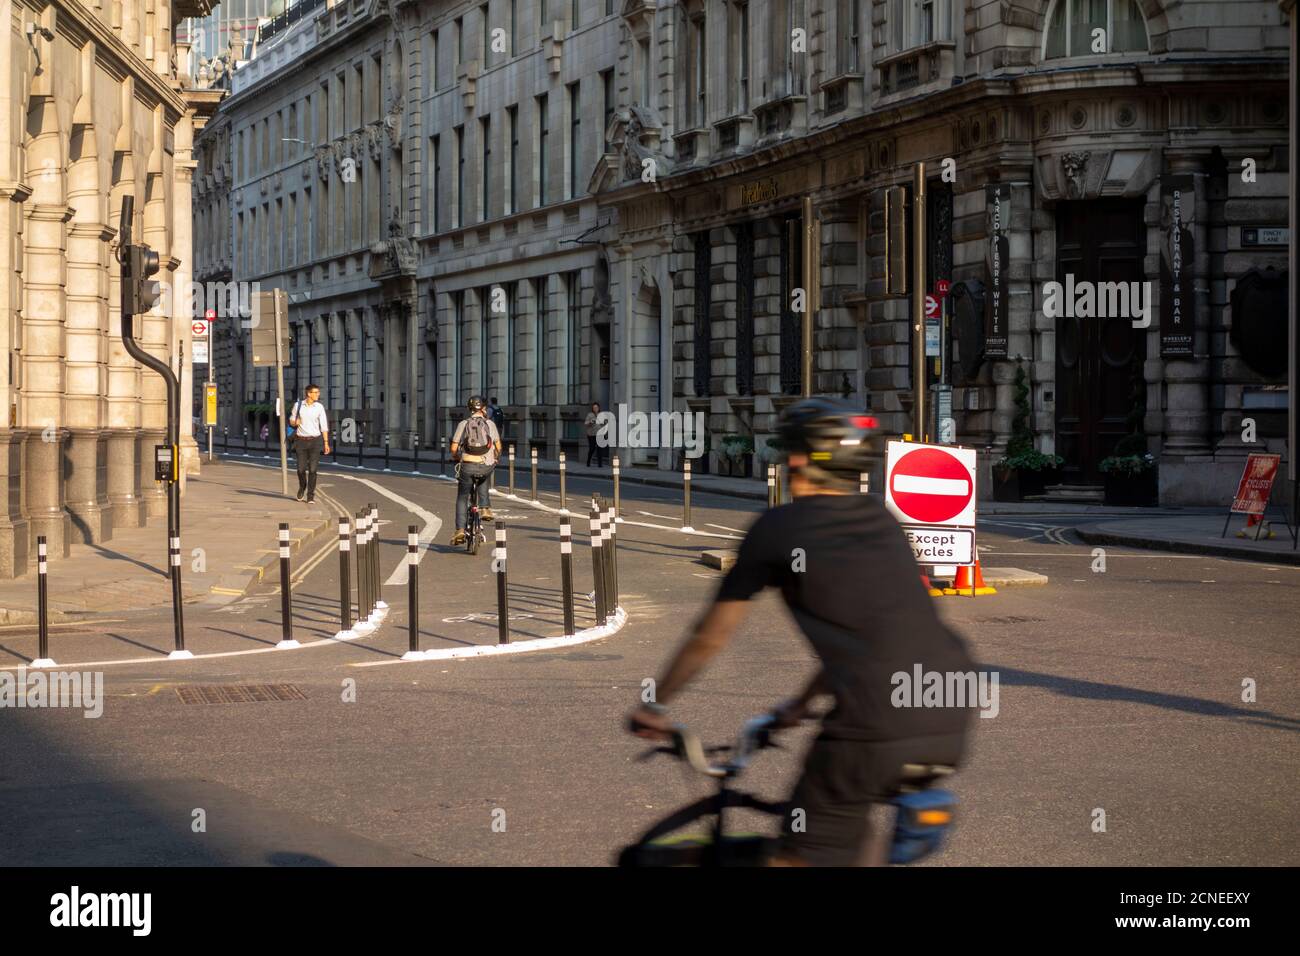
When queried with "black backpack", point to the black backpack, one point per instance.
{"points": [[478, 436]]}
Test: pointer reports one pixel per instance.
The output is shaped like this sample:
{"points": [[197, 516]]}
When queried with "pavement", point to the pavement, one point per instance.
{"points": [[1194, 534], [230, 516]]}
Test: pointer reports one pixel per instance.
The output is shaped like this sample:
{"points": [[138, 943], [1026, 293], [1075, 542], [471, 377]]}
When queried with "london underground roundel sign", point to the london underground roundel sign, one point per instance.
{"points": [[930, 484]]}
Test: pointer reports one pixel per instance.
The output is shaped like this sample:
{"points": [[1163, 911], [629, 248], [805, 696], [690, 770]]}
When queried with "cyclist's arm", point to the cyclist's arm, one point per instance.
{"points": [[711, 635]]}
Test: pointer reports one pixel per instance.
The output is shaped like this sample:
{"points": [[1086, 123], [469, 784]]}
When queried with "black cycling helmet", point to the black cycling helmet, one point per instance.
{"points": [[476, 403], [839, 439]]}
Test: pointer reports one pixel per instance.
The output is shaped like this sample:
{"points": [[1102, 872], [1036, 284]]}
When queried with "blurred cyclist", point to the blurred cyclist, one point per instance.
{"points": [[856, 593], [476, 447]]}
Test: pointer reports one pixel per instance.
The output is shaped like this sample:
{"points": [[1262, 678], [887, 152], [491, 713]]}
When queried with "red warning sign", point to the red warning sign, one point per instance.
{"points": [[931, 484], [1256, 484]]}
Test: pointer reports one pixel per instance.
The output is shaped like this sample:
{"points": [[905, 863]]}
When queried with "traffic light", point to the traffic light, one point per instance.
{"points": [[139, 292]]}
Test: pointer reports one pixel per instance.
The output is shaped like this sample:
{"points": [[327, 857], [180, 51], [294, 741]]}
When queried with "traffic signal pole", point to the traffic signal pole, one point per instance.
{"points": [[919, 384], [139, 293]]}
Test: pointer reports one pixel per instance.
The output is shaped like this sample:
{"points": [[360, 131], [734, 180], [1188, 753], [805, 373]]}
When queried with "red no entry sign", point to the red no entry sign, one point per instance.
{"points": [[931, 484]]}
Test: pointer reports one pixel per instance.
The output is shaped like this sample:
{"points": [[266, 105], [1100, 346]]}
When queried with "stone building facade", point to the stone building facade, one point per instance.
{"points": [[1079, 118], [415, 176], [94, 110]]}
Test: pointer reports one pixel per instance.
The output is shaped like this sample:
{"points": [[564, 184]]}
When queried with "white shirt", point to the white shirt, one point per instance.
{"points": [[312, 422]]}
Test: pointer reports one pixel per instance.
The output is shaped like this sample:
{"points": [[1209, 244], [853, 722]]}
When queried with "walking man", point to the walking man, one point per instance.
{"points": [[311, 437], [592, 424]]}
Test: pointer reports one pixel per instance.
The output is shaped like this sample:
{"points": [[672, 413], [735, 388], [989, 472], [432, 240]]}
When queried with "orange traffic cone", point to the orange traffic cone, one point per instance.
{"points": [[970, 580]]}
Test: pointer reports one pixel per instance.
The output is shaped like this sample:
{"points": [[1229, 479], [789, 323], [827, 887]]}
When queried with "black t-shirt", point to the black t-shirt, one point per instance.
{"points": [[860, 602]]}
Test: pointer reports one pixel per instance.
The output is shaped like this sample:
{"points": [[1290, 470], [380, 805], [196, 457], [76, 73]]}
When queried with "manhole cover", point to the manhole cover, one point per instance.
{"points": [[237, 693]]}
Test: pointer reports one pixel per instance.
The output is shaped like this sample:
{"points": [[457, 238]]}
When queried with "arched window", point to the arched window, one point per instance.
{"points": [[1094, 27]]}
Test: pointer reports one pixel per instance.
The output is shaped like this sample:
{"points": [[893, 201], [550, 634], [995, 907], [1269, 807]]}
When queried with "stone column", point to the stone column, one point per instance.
{"points": [[835, 336]]}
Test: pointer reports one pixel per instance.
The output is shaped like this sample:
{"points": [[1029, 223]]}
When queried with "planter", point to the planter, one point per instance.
{"points": [[1034, 483], [1006, 485], [1138, 491]]}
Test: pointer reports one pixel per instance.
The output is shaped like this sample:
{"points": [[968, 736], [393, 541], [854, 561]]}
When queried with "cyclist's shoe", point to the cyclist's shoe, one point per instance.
{"points": [[458, 538], [487, 514]]}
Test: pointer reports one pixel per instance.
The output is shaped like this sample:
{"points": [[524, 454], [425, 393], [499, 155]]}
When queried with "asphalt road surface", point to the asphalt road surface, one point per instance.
{"points": [[1121, 691]]}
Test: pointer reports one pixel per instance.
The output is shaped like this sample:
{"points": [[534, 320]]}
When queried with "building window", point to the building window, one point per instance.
{"points": [[459, 134], [543, 18], [512, 180], [573, 330], [607, 86], [485, 134], [575, 140], [485, 340], [512, 353], [539, 341], [433, 60], [643, 48], [487, 34], [458, 325], [514, 28], [917, 22], [701, 72], [543, 150], [738, 56], [703, 319], [849, 13], [1092, 27], [435, 180], [458, 42]]}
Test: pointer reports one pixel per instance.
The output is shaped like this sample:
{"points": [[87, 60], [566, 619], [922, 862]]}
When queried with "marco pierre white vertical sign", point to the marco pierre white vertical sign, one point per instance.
{"points": [[997, 202], [1177, 298]]}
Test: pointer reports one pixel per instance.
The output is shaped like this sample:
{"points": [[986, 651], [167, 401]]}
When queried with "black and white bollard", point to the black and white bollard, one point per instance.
{"points": [[42, 608], [415, 454], [413, 652], [286, 593], [566, 570], [771, 486], [376, 585], [345, 632], [178, 622], [864, 483], [613, 558], [618, 501], [499, 568], [563, 487], [387, 452], [607, 554], [442, 452], [686, 495], [364, 624], [534, 451], [597, 567], [361, 444], [512, 470]]}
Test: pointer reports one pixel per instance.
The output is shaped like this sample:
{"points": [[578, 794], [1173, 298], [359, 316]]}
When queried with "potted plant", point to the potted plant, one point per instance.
{"points": [[1131, 474], [1023, 471], [737, 450]]}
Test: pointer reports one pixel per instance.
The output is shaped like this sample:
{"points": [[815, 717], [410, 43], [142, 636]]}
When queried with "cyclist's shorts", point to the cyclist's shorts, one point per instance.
{"points": [[841, 780]]}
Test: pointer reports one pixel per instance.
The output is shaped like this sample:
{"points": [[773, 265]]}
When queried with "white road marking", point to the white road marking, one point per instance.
{"points": [[723, 527], [432, 523]]}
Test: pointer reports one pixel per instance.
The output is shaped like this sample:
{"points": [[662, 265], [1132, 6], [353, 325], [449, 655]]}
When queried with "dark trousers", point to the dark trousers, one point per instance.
{"points": [[595, 449], [469, 470], [308, 451]]}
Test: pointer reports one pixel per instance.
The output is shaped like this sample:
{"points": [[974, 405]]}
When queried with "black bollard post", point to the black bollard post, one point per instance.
{"points": [[686, 493], [512, 470], [178, 620], [607, 556], [597, 567], [415, 454], [387, 452], [613, 556], [363, 577], [377, 587], [618, 503], [534, 451], [43, 607], [771, 486], [286, 592], [566, 570], [442, 452], [345, 582], [563, 494], [245, 441], [413, 593], [361, 444], [499, 566]]}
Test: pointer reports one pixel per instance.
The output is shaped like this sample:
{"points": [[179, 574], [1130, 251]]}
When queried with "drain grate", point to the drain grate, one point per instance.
{"points": [[237, 693]]}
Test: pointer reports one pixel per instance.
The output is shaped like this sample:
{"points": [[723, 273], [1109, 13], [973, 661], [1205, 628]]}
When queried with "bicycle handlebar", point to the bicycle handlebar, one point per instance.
{"points": [[755, 735]]}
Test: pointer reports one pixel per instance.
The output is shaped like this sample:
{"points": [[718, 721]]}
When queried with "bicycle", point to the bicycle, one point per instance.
{"points": [[474, 533], [924, 812]]}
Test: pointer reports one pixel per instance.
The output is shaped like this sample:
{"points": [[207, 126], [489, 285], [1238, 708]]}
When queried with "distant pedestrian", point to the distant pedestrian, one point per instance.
{"points": [[311, 437], [266, 431], [498, 418], [592, 424]]}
